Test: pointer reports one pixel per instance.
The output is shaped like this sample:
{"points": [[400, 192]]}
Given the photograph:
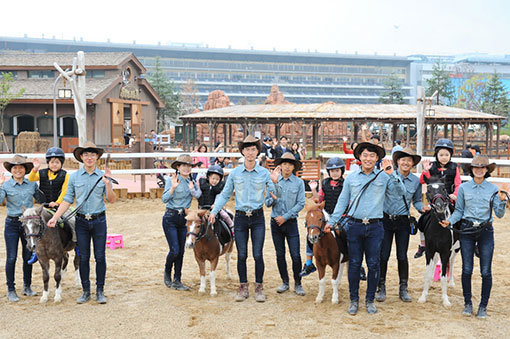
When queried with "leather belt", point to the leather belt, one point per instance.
{"points": [[251, 213], [90, 216], [14, 218], [395, 217], [366, 221], [173, 210]]}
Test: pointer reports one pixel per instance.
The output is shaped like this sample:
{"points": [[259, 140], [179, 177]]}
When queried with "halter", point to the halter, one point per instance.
{"points": [[42, 229], [441, 197], [317, 227], [203, 232]]}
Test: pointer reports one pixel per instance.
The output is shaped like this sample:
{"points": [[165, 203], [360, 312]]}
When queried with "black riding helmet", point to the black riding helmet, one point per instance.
{"points": [[447, 144], [216, 169], [335, 163], [56, 152]]}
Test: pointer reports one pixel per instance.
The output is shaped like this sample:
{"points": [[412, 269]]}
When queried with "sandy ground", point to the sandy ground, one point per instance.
{"points": [[139, 305]]}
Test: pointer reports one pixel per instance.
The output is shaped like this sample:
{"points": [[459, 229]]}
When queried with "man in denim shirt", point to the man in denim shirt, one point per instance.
{"points": [[90, 218], [396, 221], [250, 181], [287, 202], [365, 229], [19, 193], [473, 207], [179, 190]]}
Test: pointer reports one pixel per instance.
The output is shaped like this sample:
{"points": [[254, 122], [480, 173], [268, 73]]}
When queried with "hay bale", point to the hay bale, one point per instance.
{"points": [[25, 145], [42, 145], [29, 135]]}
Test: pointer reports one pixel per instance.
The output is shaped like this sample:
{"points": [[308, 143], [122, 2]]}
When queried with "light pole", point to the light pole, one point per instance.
{"points": [[55, 137]]}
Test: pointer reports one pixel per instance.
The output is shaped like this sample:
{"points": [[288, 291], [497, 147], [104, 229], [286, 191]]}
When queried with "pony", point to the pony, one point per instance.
{"points": [[206, 246], [49, 243], [440, 243], [326, 249]]}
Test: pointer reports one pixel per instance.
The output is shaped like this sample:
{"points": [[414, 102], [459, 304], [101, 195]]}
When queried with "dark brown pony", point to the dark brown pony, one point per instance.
{"points": [[325, 250], [205, 244], [49, 243]]}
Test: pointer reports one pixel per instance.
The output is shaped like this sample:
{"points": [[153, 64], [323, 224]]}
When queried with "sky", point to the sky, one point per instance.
{"points": [[385, 27]]}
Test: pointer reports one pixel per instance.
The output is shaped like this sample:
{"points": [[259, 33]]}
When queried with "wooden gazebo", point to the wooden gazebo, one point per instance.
{"points": [[315, 115]]}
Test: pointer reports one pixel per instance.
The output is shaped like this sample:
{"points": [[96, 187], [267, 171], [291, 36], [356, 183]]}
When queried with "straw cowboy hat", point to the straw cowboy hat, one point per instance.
{"points": [[482, 161], [19, 160], [381, 153], [407, 152], [289, 157], [183, 159], [249, 141], [89, 146]]}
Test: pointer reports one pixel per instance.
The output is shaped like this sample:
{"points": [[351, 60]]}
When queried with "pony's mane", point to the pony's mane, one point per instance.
{"points": [[32, 211]]}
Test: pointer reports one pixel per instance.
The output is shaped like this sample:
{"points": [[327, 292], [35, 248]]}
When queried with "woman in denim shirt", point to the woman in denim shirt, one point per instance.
{"points": [[19, 193], [179, 190], [473, 207]]}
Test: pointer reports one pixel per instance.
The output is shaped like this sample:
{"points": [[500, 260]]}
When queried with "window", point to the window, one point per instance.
{"points": [[68, 127], [13, 73], [95, 73], [41, 74], [45, 125], [22, 123]]}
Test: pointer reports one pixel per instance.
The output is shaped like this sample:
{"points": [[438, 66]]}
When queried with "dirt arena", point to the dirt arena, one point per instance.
{"points": [[139, 305]]}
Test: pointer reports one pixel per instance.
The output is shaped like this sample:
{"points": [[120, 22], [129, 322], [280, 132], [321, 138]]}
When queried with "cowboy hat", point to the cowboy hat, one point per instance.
{"points": [[289, 157], [407, 152], [89, 146], [19, 160], [482, 161], [249, 141], [183, 159], [381, 153]]}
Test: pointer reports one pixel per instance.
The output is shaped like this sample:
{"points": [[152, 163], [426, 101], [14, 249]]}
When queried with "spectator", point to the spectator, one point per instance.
{"points": [[204, 160], [282, 148], [467, 154]]}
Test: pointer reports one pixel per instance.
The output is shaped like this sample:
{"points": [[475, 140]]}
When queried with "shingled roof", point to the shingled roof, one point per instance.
{"points": [[23, 60]]}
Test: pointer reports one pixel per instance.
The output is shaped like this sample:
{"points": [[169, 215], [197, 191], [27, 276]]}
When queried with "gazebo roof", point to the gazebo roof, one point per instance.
{"points": [[315, 113]]}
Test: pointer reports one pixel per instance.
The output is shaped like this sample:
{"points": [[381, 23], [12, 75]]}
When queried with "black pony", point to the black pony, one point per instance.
{"points": [[440, 243]]}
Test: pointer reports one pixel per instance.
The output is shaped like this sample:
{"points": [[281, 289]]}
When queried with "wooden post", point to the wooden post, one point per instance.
{"points": [[142, 150], [230, 135], [210, 125], [277, 131], [498, 125], [321, 133], [303, 133], [314, 139], [355, 132], [292, 131], [464, 133], [408, 135]]}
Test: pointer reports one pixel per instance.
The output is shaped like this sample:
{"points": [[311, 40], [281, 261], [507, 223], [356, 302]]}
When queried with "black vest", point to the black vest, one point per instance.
{"points": [[448, 175], [209, 192], [51, 188], [331, 194]]}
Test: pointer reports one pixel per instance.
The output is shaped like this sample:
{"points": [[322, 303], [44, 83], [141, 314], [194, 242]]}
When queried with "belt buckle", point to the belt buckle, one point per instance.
{"points": [[180, 211], [365, 221], [88, 216], [248, 213], [476, 224]]}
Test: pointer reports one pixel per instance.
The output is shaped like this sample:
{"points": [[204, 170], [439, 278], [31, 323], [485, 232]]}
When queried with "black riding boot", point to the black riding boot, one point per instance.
{"points": [[403, 274], [381, 288]]}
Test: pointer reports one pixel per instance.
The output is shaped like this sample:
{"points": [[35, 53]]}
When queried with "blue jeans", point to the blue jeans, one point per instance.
{"points": [[13, 233], [242, 227], [485, 240], [174, 226], [288, 230], [400, 230], [364, 239], [95, 230]]}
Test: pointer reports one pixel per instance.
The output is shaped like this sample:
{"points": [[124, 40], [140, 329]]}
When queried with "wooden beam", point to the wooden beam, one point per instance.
{"points": [[122, 101]]}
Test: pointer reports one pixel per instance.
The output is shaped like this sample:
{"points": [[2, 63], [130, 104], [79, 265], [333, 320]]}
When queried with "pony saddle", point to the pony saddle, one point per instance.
{"points": [[222, 232]]}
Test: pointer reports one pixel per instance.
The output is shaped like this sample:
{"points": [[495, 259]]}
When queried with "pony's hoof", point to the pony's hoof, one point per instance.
{"points": [[43, 300], [58, 299], [201, 291], [447, 303], [422, 300], [213, 294], [318, 300], [334, 300], [229, 276], [451, 284]]}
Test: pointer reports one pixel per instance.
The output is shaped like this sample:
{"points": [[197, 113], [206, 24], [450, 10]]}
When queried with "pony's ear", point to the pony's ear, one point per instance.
{"points": [[23, 209], [316, 200], [322, 204], [186, 211], [201, 213], [39, 209]]}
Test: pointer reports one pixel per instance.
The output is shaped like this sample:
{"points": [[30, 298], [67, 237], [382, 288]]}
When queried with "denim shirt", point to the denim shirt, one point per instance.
{"points": [[394, 202], [181, 197], [290, 195], [473, 202], [18, 195], [249, 187], [80, 184], [371, 202]]}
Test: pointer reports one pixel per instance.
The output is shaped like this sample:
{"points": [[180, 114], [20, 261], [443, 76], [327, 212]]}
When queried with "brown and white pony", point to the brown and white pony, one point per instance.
{"points": [[325, 250], [205, 244], [49, 244]]}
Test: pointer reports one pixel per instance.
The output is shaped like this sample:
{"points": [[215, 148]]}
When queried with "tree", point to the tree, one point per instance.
{"points": [[392, 92], [189, 97], [6, 96], [495, 97], [166, 91], [470, 94], [441, 82]]}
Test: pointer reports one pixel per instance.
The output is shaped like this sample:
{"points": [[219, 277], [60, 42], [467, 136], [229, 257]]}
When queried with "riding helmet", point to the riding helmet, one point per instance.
{"points": [[335, 163], [216, 169], [56, 152], [444, 143]]}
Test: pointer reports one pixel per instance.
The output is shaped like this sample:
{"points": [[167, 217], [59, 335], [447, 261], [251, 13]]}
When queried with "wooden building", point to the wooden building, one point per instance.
{"points": [[119, 97]]}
